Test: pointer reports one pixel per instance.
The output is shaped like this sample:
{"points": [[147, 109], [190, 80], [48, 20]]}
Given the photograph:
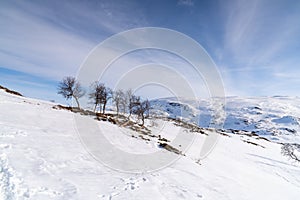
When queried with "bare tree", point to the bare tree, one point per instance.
{"points": [[107, 94], [147, 107], [140, 108], [128, 99], [124, 103], [69, 87], [100, 95], [134, 102], [119, 99], [96, 93], [144, 108], [291, 150]]}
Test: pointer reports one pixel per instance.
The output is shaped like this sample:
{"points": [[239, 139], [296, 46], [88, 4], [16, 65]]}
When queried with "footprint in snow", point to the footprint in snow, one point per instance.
{"points": [[5, 146], [21, 133], [129, 184], [13, 135]]}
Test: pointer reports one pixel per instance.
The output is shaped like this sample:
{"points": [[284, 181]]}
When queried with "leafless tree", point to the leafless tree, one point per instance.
{"points": [[118, 99], [147, 107], [105, 98], [290, 150], [125, 103], [100, 95], [140, 108], [69, 87], [96, 93], [134, 102]]}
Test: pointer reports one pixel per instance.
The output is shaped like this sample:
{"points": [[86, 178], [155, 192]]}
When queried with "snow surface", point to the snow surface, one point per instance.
{"points": [[42, 157], [276, 118]]}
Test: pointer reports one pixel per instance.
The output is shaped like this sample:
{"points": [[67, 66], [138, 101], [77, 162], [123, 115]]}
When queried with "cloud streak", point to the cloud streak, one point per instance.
{"points": [[259, 41], [52, 40], [185, 2], [255, 31]]}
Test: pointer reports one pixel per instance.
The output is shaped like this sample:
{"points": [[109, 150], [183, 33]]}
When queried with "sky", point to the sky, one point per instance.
{"points": [[254, 44]]}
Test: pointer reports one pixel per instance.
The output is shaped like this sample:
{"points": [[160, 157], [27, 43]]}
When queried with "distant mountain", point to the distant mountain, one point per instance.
{"points": [[276, 118]]}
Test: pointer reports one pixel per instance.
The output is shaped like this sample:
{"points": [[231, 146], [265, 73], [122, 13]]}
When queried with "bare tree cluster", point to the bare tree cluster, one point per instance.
{"points": [[124, 101], [290, 150], [141, 108], [100, 95]]}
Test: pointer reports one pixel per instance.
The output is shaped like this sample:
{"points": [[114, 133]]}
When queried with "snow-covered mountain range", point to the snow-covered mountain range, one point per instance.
{"points": [[43, 157], [276, 118]]}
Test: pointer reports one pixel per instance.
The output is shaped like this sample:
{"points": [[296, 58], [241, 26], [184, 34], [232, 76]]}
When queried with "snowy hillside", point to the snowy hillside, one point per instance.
{"points": [[276, 118], [42, 156]]}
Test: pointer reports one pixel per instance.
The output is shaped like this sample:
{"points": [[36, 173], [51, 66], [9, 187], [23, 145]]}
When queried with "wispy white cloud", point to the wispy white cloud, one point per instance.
{"points": [[185, 2], [260, 40], [257, 31], [52, 40], [128, 63], [251, 40]]}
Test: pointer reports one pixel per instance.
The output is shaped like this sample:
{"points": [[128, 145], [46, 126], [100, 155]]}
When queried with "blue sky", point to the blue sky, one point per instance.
{"points": [[255, 44]]}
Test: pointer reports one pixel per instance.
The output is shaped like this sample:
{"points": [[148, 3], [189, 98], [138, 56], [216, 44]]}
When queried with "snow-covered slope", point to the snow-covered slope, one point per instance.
{"points": [[42, 157], [276, 118]]}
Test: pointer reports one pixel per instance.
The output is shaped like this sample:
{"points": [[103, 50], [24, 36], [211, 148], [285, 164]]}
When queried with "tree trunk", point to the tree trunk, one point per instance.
{"points": [[77, 101], [143, 119], [129, 115], [100, 107], [104, 105], [95, 107]]}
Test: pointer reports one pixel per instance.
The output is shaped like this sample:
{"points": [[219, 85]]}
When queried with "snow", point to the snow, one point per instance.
{"points": [[286, 120], [42, 157], [276, 118]]}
